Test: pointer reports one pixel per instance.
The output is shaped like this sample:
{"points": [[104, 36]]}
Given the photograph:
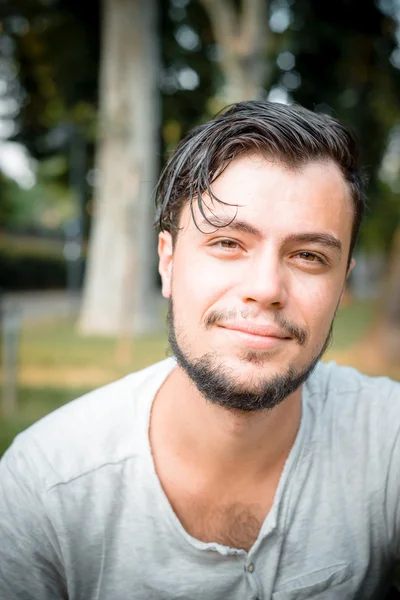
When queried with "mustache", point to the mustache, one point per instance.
{"points": [[292, 330]]}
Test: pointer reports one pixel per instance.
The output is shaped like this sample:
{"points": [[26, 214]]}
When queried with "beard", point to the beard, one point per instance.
{"points": [[219, 384]]}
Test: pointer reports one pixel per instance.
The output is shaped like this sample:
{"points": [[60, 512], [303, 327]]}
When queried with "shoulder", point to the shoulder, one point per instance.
{"points": [[353, 423], [102, 427], [362, 410], [331, 381]]}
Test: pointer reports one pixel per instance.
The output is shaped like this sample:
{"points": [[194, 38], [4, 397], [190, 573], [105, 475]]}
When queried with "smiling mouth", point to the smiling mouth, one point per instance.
{"points": [[261, 337]]}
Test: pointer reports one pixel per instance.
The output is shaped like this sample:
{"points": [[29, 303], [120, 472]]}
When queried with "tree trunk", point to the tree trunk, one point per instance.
{"points": [[243, 37], [391, 330], [118, 289]]}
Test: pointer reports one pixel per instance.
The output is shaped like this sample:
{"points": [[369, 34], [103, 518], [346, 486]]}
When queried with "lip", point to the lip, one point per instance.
{"points": [[253, 329], [256, 336]]}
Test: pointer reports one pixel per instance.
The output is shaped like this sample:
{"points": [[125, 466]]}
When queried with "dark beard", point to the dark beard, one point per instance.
{"points": [[219, 385]]}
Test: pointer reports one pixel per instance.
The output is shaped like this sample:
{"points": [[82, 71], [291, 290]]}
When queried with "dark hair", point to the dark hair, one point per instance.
{"points": [[291, 135]]}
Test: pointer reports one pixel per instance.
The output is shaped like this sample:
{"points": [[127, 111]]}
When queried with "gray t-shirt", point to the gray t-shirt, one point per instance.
{"points": [[83, 515]]}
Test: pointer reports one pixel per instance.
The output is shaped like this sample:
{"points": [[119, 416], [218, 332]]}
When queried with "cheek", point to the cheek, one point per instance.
{"points": [[195, 283], [317, 300]]}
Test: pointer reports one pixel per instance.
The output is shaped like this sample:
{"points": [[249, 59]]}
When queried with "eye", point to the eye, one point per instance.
{"points": [[226, 244], [312, 257]]}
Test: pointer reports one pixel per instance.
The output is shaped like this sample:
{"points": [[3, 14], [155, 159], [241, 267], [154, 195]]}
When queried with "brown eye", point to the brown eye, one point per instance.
{"points": [[228, 244], [309, 256]]}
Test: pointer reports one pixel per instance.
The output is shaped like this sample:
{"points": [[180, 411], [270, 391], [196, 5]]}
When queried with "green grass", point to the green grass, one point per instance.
{"points": [[57, 343], [352, 323]]}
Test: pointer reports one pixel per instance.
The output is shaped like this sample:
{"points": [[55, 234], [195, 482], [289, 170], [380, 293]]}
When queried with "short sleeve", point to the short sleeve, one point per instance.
{"points": [[30, 561]]}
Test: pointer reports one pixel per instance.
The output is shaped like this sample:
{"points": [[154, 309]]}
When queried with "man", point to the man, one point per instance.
{"points": [[243, 468]]}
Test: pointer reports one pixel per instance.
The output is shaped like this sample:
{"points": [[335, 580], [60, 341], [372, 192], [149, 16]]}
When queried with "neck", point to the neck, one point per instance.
{"points": [[223, 443]]}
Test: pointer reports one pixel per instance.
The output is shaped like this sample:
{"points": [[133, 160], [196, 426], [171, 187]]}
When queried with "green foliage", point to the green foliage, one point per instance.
{"points": [[53, 56], [343, 55], [47, 204], [382, 219], [8, 207], [342, 64], [57, 51], [184, 108]]}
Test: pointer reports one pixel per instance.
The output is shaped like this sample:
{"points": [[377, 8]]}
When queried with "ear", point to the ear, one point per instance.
{"points": [[349, 270], [165, 253]]}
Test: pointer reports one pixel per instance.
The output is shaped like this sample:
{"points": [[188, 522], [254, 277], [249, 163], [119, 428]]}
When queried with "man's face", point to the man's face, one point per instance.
{"points": [[256, 298]]}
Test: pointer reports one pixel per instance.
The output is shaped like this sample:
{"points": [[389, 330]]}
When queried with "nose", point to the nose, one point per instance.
{"points": [[264, 281]]}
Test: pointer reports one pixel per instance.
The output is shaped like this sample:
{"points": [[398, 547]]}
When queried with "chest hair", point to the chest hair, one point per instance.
{"points": [[236, 525]]}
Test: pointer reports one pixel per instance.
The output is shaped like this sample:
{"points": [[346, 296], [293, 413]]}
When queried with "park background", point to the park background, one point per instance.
{"points": [[93, 98]]}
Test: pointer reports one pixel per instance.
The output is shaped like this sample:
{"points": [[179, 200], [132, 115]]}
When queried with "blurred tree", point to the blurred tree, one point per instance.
{"points": [[45, 205], [57, 80], [355, 80], [54, 86], [118, 284], [8, 210], [190, 74], [58, 83], [243, 37]]}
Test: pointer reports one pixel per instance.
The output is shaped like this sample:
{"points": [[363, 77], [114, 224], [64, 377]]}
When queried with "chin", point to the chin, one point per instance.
{"points": [[251, 360]]}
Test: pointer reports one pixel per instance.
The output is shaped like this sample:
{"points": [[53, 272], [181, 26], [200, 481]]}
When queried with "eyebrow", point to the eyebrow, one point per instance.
{"points": [[236, 225], [324, 239]]}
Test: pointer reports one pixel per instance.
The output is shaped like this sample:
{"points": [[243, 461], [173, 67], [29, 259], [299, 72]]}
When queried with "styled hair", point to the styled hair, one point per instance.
{"points": [[290, 135]]}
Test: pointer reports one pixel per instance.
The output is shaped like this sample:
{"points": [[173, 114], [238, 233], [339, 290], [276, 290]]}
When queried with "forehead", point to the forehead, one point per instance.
{"points": [[278, 198]]}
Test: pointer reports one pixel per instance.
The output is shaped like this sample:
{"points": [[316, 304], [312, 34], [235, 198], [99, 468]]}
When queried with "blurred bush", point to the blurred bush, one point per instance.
{"points": [[30, 271], [31, 262]]}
